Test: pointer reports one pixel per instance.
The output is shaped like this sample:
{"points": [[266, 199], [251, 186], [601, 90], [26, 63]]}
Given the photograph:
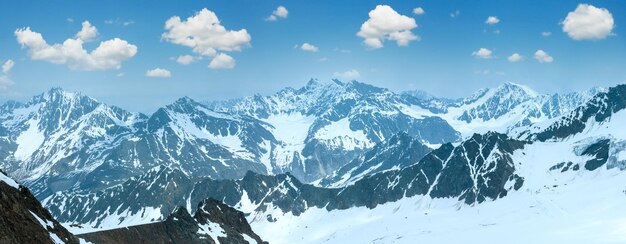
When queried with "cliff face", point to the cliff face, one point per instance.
{"points": [[24, 220]]}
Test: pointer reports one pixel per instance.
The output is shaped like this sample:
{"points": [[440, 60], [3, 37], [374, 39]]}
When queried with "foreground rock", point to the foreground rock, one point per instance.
{"points": [[213, 222], [24, 220]]}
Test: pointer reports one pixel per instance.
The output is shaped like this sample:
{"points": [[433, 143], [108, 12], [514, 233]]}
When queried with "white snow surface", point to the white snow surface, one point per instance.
{"points": [[9, 181], [551, 207], [29, 141], [339, 134], [212, 229]]}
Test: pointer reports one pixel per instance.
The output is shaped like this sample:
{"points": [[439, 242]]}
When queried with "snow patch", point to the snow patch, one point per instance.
{"points": [[29, 141]]}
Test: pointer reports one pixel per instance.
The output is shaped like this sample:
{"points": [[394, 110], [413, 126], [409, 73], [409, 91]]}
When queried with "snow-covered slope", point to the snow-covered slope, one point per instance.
{"points": [[572, 192], [509, 108]]}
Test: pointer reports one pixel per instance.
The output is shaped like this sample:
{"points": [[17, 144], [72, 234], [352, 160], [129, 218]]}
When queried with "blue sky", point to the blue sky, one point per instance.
{"points": [[441, 62]]}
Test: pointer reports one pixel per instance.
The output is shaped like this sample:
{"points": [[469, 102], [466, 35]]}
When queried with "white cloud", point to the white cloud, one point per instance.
{"points": [[543, 57], [516, 57], [455, 13], [483, 53], [418, 11], [7, 66], [546, 33], [347, 75], [185, 59], [309, 47], [222, 61], [204, 33], [492, 20], [87, 33], [588, 23], [69, 20], [5, 81], [158, 72], [118, 21], [108, 55], [386, 23], [280, 12]]}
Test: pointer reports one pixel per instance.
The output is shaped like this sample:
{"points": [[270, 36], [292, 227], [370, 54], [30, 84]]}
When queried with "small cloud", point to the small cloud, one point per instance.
{"points": [[158, 72], [546, 33], [516, 57], [222, 61], [322, 59], [455, 13], [418, 11], [118, 21], [352, 74], [341, 50], [384, 23], [280, 12], [185, 59], [543, 57], [492, 20], [5, 81], [309, 47], [482, 53], [70, 20], [482, 72], [120, 74], [7, 66]]}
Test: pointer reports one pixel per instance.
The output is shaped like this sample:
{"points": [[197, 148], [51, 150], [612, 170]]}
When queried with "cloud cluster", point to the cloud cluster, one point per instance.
{"points": [[386, 23], [108, 55], [204, 33], [483, 53], [309, 47], [492, 20], [588, 23], [280, 12], [352, 74], [158, 73], [543, 57], [5, 82]]}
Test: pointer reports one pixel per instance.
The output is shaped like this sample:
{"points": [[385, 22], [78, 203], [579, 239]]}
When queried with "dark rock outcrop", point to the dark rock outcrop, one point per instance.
{"points": [[24, 220], [211, 217]]}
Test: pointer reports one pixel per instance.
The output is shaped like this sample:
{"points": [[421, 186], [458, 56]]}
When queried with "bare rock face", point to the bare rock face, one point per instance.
{"points": [[214, 222], [24, 220]]}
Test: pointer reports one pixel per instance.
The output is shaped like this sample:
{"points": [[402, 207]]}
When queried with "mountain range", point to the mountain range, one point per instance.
{"points": [[333, 147]]}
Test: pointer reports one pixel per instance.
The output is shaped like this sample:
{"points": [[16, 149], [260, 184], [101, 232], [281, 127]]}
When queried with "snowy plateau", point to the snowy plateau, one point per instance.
{"points": [[330, 162]]}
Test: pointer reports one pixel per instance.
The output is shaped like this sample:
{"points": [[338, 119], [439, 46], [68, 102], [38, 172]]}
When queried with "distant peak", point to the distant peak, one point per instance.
{"points": [[515, 86], [313, 82], [184, 100]]}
